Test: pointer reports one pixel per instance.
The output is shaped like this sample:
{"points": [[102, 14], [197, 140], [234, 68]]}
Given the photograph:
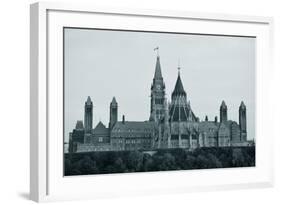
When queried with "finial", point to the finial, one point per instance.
{"points": [[114, 100], [179, 67], [242, 105], [157, 48], [88, 101], [223, 105]]}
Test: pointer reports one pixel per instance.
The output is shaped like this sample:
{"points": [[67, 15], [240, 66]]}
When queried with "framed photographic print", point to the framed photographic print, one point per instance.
{"points": [[127, 102]]}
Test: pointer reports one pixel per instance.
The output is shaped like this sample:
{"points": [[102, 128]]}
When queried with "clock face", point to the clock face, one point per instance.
{"points": [[158, 87]]}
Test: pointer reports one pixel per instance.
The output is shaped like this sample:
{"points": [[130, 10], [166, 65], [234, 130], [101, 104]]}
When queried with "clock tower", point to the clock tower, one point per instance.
{"points": [[157, 104]]}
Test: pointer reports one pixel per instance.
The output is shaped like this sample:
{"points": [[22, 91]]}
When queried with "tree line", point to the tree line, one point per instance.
{"points": [[162, 160]]}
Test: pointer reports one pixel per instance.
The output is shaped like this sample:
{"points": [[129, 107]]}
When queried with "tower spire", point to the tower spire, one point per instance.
{"points": [[157, 91], [113, 113], [243, 121], [158, 73], [178, 90], [223, 112], [88, 114]]}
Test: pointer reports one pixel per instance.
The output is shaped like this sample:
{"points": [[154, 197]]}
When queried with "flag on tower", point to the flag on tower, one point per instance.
{"points": [[157, 48]]}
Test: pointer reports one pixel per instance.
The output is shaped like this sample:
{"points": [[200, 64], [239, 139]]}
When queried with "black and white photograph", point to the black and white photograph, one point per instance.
{"points": [[147, 101]]}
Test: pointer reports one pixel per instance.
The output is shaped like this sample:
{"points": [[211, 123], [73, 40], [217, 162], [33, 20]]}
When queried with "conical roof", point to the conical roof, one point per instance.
{"points": [[89, 101], [114, 102], [158, 73], [179, 90], [223, 105], [242, 105]]}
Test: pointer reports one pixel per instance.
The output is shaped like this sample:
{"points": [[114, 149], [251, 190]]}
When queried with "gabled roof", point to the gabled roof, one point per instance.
{"points": [[100, 125], [178, 90], [224, 127], [205, 126], [79, 125], [158, 73], [100, 129], [134, 126], [216, 126]]}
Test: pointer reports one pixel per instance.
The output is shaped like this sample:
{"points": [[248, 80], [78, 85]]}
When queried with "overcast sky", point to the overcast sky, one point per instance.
{"points": [[102, 64]]}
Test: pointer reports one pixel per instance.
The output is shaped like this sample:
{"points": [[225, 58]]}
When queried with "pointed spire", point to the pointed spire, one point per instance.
{"points": [[179, 90], [223, 105], [158, 73], [242, 105], [223, 112], [113, 102], [89, 101]]}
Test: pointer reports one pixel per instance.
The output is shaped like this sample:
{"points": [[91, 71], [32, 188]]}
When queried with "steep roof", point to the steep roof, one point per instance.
{"points": [[79, 125], [206, 125], [181, 113], [134, 126], [223, 105], [100, 129], [242, 105], [113, 102], [158, 73], [178, 90], [89, 101], [180, 110]]}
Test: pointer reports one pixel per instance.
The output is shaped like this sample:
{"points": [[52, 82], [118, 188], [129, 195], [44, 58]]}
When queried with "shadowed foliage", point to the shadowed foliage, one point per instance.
{"points": [[162, 160]]}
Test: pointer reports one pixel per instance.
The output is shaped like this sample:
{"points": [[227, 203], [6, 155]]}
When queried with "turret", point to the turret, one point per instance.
{"points": [[113, 118], [88, 115], [243, 122], [223, 112]]}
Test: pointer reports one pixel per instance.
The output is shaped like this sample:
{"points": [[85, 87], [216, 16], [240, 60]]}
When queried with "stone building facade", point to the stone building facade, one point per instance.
{"points": [[170, 125]]}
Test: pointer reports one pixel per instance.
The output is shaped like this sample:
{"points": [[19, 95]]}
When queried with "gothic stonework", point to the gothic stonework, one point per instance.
{"points": [[170, 125]]}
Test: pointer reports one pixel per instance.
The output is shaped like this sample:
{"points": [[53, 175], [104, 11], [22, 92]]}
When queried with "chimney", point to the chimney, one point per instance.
{"points": [[206, 118], [216, 119], [123, 119]]}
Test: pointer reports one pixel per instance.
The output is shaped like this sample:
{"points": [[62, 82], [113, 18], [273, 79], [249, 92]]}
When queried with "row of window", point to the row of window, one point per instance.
{"points": [[176, 137], [159, 101], [133, 130]]}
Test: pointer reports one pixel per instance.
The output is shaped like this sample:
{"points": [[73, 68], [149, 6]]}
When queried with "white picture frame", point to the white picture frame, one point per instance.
{"points": [[46, 177]]}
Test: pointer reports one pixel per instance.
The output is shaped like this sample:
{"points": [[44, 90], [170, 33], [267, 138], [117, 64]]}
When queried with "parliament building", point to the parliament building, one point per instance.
{"points": [[170, 125]]}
